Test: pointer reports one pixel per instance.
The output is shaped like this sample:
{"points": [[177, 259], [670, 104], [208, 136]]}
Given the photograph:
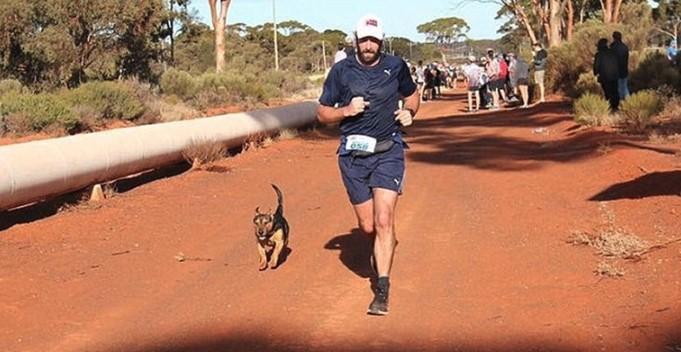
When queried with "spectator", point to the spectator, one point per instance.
{"points": [[492, 69], [485, 96], [522, 76], [539, 61], [473, 75], [672, 51], [503, 76], [606, 68], [340, 54], [622, 53], [429, 83], [420, 78], [512, 73]]}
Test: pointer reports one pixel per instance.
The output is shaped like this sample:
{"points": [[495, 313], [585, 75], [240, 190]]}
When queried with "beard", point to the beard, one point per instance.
{"points": [[369, 57]]}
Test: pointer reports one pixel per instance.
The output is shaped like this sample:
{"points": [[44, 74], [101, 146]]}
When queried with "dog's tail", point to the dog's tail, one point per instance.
{"points": [[280, 200]]}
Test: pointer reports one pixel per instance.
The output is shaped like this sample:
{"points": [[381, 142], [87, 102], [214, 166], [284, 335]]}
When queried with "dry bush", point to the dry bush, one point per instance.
{"points": [[672, 111], [202, 152]]}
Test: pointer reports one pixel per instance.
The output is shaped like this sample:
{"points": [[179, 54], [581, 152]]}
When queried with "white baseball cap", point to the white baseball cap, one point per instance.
{"points": [[370, 26]]}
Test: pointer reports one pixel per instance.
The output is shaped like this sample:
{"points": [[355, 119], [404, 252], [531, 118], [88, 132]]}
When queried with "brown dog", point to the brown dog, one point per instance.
{"points": [[271, 231]]}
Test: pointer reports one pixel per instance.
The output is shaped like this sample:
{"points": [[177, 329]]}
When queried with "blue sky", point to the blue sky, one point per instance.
{"points": [[400, 17]]}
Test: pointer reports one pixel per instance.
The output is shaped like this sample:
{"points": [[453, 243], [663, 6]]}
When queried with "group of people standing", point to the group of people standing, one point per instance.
{"points": [[497, 77], [611, 67], [432, 77]]}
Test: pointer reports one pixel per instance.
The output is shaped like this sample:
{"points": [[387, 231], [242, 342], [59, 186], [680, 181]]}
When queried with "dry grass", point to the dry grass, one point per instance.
{"points": [[287, 134], [660, 137], [604, 148], [612, 242], [609, 270], [168, 110], [201, 153], [109, 190], [257, 141], [671, 111]]}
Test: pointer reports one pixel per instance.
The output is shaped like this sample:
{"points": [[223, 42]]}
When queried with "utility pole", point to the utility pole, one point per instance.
{"points": [[276, 46]]}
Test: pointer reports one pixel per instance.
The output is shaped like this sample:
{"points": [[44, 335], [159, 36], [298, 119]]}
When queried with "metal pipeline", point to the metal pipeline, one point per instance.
{"points": [[34, 171]]}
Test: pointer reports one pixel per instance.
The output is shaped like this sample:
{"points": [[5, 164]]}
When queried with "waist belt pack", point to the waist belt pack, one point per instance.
{"points": [[381, 146]]}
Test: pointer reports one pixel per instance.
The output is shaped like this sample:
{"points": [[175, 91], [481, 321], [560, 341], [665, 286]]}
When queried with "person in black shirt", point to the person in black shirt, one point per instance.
{"points": [[607, 70], [363, 93], [622, 52]]}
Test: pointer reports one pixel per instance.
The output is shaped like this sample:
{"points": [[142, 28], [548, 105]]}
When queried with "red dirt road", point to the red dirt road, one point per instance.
{"points": [[482, 264]]}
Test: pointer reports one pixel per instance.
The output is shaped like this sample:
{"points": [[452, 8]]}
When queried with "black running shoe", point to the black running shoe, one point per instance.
{"points": [[379, 306]]}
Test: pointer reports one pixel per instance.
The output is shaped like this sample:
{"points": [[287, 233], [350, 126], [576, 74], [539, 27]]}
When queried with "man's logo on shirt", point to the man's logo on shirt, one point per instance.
{"points": [[387, 72]]}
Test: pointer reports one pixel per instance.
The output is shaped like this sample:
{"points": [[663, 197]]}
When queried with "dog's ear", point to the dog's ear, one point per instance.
{"points": [[257, 210]]}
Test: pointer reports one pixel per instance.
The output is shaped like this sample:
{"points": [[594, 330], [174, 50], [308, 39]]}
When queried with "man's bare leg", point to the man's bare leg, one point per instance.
{"points": [[365, 216], [385, 202]]}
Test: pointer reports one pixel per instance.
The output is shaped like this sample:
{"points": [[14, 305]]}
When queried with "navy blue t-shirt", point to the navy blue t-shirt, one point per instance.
{"points": [[382, 86]]}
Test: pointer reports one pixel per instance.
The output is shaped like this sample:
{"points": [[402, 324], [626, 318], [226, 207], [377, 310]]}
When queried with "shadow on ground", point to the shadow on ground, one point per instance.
{"points": [[269, 342], [355, 250], [51, 207], [654, 184], [448, 140]]}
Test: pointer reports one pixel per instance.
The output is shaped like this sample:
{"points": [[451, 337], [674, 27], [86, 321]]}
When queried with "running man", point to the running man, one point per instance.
{"points": [[363, 93]]}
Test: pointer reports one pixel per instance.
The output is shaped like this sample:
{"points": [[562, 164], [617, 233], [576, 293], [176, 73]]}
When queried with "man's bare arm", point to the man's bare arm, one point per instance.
{"points": [[329, 114]]}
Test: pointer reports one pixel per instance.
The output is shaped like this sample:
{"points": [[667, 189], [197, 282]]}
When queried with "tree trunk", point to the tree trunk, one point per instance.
{"points": [[219, 23], [522, 16], [611, 10], [554, 23], [616, 11], [570, 25]]}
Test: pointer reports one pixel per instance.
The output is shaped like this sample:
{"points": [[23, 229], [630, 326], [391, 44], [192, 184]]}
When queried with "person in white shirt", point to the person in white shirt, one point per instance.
{"points": [[340, 54], [473, 74]]}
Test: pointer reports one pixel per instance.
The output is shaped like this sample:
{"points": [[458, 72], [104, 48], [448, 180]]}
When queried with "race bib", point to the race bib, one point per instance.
{"points": [[360, 142]]}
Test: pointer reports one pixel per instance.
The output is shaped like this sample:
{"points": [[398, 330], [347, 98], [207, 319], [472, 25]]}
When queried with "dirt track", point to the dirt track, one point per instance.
{"points": [[482, 264]]}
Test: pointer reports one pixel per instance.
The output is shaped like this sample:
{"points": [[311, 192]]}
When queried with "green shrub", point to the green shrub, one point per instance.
{"points": [[37, 112], [287, 82], [112, 100], [638, 110], [587, 83], [234, 86], [653, 72], [566, 63], [179, 83], [10, 85], [592, 110]]}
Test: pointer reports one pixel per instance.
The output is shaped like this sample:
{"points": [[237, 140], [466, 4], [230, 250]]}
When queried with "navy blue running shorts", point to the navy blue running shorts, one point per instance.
{"points": [[382, 170]]}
